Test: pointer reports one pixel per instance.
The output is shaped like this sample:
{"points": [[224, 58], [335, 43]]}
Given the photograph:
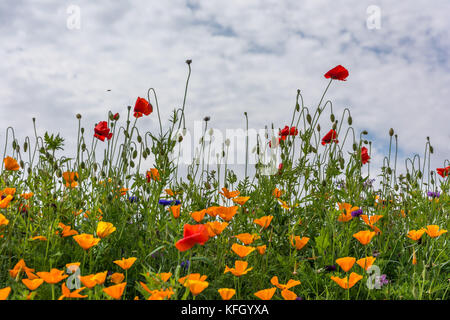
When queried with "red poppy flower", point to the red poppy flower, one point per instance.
{"points": [[293, 131], [364, 155], [280, 167], [330, 137], [192, 234], [141, 107], [288, 131], [101, 131], [116, 116], [443, 172], [337, 73]]}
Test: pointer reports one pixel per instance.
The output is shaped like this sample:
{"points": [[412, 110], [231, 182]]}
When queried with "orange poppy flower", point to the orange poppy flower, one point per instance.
{"points": [[433, 231], [70, 179], [18, 268], [117, 277], [153, 174], [347, 283], [169, 192], [240, 268], [241, 200], [366, 262], [3, 220], [277, 193], [104, 229], [247, 238], [125, 264], [115, 291], [227, 213], [414, 259], [266, 294], [229, 194], [4, 293], [264, 221], [175, 210], [42, 238], [123, 191], [364, 237], [52, 277], [8, 191], [261, 249], [346, 211], [288, 294], [32, 284], [196, 286], [242, 251], [11, 164], [299, 242], [27, 196], [370, 221], [67, 231], [346, 263], [74, 294], [5, 201], [86, 241], [415, 235], [164, 276], [213, 211], [226, 293], [198, 215], [215, 228], [92, 280], [291, 283], [192, 276]]}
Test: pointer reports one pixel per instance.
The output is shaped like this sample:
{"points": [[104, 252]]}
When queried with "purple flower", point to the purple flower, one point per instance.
{"points": [[185, 264], [330, 268], [433, 194], [357, 213], [382, 280], [165, 202], [132, 199]]}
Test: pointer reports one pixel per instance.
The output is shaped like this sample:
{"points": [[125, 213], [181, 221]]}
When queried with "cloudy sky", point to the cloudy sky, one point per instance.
{"points": [[247, 56]]}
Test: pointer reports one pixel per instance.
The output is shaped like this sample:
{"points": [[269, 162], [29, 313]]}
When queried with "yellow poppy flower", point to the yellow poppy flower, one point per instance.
{"points": [[3, 220], [104, 229], [5, 201]]}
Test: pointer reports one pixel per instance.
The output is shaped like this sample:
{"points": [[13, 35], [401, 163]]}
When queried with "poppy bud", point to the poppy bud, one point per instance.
{"points": [[22, 164], [83, 147], [14, 144], [95, 167], [58, 173], [207, 118], [391, 132], [355, 147], [189, 61], [308, 118], [82, 165], [139, 139], [144, 154], [335, 125], [134, 154], [332, 118], [105, 162], [103, 174], [78, 116], [180, 138], [342, 163], [389, 170], [318, 127], [431, 149], [364, 132], [297, 107], [25, 147], [396, 187], [147, 150], [366, 142], [132, 163], [29, 170], [350, 120]]}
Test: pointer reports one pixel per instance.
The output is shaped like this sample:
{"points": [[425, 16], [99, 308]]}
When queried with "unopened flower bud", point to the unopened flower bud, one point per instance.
{"points": [[391, 132]]}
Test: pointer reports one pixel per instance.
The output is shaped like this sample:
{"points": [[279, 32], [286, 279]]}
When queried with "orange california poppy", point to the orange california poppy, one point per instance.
{"points": [[115, 291], [11, 164], [41, 238], [241, 200], [18, 268], [415, 235], [4, 293], [52, 277], [433, 231], [346, 263], [8, 191], [266, 294], [240, 268], [247, 238], [229, 194], [196, 286], [198, 215], [27, 196], [192, 276], [153, 174], [299, 242], [164, 276], [261, 249], [370, 221], [74, 294], [242, 251], [277, 193], [215, 228], [117, 277], [104, 229], [169, 192], [5, 201], [70, 179], [32, 284], [366, 262], [414, 259], [288, 294], [175, 210], [227, 213], [67, 231], [291, 283], [347, 283], [226, 293], [86, 241], [346, 210], [264, 221], [213, 211], [92, 280], [365, 236], [3, 220], [125, 264]]}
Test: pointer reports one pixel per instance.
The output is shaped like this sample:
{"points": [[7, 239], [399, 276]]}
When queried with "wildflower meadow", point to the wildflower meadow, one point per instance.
{"points": [[306, 219]]}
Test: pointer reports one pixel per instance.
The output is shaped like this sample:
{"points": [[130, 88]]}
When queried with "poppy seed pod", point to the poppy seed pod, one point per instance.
{"points": [[431, 149], [364, 132], [207, 118], [335, 125], [78, 116], [189, 61], [180, 138]]}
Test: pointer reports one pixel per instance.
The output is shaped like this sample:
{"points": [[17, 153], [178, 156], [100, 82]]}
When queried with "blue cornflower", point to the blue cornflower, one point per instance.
{"points": [[166, 202], [433, 194], [132, 199]]}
